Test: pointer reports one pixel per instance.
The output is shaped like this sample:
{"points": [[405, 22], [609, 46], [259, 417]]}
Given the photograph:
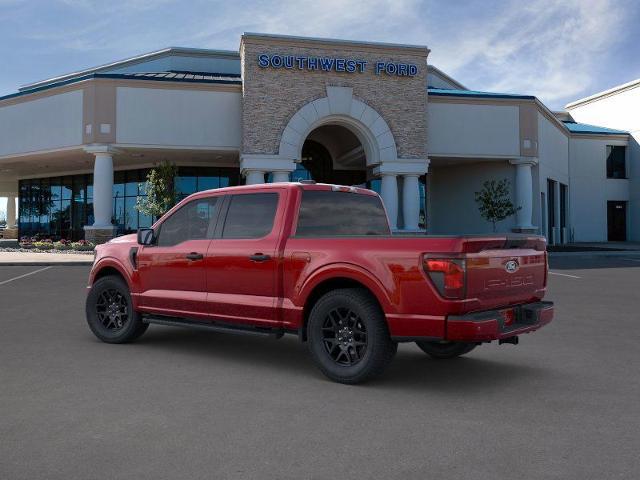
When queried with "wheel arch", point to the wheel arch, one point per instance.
{"points": [[109, 267], [336, 278]]}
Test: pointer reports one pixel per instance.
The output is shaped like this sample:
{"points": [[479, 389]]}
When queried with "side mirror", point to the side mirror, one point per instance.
{"points": [[146, 236]]}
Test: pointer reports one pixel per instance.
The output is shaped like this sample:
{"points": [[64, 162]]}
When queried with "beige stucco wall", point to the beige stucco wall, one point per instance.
{"points": [[619, 110], [45, 123], [460, 129], [451, 197], [590, 189], [272, 96], [178, 117]]}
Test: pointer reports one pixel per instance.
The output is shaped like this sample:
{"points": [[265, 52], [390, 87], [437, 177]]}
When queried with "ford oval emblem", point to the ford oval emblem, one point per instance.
{"points": [[511, 266]]}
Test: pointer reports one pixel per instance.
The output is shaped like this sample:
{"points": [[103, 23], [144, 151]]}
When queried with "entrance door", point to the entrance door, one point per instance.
{"points": [[551, 210], [617, 221]]}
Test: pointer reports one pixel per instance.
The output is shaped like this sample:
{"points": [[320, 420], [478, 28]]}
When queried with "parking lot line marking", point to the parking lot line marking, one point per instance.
{"points": [[25, 275], [564, 275]]}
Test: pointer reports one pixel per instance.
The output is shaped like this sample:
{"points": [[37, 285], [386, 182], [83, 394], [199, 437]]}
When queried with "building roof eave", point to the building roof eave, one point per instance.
{"points": [[447, 77], [130, 61], [226, 80], [605, 93]]}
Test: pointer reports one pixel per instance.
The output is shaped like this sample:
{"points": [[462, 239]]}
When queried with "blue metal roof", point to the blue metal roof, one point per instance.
{"points": [[444, 92], [575, 127], [188, 77]]}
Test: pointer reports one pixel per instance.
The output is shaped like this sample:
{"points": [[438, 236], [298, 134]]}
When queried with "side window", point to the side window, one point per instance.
{"points": [[250, 215], [616, 167], [193, 221]]}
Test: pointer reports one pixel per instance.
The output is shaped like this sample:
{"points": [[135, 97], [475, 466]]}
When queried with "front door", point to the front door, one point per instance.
{"points": [[172, 272], [617, 221], [243, 259]]}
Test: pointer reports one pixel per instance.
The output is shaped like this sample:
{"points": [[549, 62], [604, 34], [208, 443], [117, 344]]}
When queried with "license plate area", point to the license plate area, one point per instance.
{"points": [[509, 317]]}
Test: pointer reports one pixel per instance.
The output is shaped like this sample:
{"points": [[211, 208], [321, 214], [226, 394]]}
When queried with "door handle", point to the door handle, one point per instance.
{"points": [[195, 256], [259, 257]]}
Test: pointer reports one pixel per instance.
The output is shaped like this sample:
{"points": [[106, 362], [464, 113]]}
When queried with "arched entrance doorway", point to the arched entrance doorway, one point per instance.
{"points": [[334, 154]]}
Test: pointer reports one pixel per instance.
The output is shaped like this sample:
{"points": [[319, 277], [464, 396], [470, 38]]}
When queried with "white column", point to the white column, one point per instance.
{"points": [[11, 212], [524, 192], [411, 201], [280, 176], [254, 177], [389, 194], [103, 189]]}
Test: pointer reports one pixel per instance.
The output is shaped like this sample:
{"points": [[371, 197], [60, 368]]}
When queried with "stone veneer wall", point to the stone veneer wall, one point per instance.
{"points": [[272, 96]]}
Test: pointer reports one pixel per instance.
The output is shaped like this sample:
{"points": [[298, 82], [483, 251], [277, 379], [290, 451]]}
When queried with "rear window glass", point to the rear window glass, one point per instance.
{"points": [[328, 213]]}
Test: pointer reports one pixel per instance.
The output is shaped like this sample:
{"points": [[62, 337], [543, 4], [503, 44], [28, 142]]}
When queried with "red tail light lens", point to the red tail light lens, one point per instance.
{"points": [[447, 275]]}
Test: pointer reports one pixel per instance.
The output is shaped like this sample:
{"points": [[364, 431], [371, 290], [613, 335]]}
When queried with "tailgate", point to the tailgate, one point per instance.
{"points": [[499, 277]]}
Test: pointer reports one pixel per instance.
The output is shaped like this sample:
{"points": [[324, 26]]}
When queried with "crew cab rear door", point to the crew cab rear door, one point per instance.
{"points": [[243, 259], [172, 271]]}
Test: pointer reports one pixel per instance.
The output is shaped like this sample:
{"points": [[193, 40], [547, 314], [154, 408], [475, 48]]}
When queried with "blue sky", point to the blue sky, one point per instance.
{"points": [[556, 50]]}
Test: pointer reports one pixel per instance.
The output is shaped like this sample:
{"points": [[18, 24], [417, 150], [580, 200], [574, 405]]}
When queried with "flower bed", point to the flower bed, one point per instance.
{"points": [[39, 245]]}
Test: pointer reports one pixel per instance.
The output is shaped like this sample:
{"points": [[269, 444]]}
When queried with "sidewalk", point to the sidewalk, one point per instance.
{"points": [[45, 259], [604, 249]]}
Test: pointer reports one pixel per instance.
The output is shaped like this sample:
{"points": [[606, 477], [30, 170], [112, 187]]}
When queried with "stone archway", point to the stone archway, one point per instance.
{"points": [[339, 107]]}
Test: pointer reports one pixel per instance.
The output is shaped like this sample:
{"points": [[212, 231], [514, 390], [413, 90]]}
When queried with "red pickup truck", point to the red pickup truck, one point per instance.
{"points": [[318, 261]]}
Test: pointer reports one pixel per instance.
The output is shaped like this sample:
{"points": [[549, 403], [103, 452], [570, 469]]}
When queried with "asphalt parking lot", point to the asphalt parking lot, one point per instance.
{"points": [[190, 404]]}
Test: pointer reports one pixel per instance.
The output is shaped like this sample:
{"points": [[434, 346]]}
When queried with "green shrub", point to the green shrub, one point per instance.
{"points": [[83, 246], [62, 245]]}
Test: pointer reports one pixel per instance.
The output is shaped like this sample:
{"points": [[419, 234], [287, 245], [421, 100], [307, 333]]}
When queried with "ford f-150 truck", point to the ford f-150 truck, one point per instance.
{"points": [[318, 261]]}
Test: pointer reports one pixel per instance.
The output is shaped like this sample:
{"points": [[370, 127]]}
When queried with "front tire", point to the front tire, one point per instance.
{"points": [[110, 312], [445, 350], [348, 336]]}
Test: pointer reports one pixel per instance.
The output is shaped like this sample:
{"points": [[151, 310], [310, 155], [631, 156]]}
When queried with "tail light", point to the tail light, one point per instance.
{"points": [[447, 275]]}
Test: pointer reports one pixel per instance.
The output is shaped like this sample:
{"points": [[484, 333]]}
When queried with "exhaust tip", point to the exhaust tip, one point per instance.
{"points": [[511, 340]]}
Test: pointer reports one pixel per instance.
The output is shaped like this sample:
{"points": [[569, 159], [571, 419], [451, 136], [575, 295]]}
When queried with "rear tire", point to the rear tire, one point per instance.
{"points": [[348, 336], [445, 350], [110, 312]]}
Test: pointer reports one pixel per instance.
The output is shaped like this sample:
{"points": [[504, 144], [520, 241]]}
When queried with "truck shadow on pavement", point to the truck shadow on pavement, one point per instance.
{"points": [[288, 357]]}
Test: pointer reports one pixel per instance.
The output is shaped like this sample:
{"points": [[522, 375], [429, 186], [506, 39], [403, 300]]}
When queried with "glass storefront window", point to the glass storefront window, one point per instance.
{"points": [[208, 183], [118, 184], [59, 207], [186, 186]]}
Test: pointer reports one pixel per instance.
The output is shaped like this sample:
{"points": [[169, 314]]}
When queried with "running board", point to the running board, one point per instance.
{"points": [[211, 326]]}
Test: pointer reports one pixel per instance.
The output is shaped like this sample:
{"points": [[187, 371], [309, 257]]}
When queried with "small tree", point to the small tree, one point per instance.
{"points": [[494, 201], [161, 191]]}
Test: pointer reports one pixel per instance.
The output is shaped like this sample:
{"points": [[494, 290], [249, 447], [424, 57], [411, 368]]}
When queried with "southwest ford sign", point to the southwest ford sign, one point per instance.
{"points": [[333, 64]]}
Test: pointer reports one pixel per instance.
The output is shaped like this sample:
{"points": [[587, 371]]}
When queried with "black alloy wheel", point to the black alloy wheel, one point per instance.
{"points": [[344, 336], [348, 336], [112, 309], [110, 312]]}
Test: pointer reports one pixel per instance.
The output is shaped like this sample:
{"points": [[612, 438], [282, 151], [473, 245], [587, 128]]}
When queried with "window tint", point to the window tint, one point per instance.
{"points": [[328, 213], [616, 162], [250, 215], [193, 221]]}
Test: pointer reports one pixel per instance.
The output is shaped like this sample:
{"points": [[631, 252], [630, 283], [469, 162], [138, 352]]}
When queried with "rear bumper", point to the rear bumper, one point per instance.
{"points": [[494, 325]]}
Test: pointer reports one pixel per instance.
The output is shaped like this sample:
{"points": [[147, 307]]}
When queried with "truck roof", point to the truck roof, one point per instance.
{"points": [[304, 185]]}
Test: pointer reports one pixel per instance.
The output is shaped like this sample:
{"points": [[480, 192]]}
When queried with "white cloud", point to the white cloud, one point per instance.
{"points": [[547, 48]]}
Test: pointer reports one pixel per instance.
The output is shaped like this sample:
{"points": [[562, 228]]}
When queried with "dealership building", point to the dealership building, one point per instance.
{"points": [[75, 150]]}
